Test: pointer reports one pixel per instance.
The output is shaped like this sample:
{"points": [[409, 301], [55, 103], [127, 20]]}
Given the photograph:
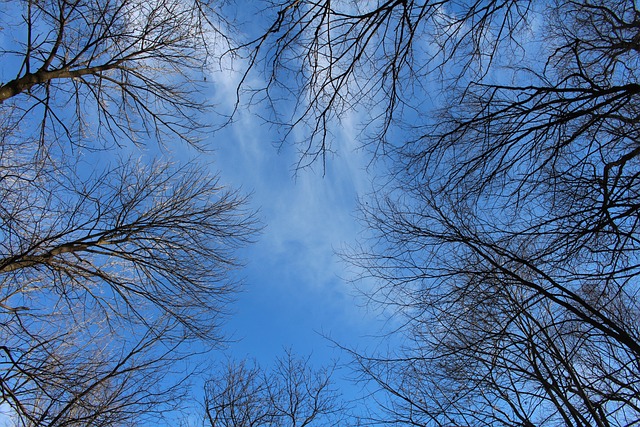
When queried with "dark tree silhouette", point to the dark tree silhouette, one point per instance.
{"points": [[507, 232], [113, 271], [381, 58], [292, 394], [104, 72]]}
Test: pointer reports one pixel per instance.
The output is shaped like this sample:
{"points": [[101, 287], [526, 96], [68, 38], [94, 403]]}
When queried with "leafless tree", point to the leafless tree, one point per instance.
{"points": [[507, 233], [291, 394], [104, 72], [237, 397], [113, 271], [381, 58], [101, 380], [105, 281]]}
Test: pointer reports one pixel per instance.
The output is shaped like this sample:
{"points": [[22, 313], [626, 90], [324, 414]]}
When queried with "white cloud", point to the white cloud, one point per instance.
{"points": [[295, 280], [6, 415]]}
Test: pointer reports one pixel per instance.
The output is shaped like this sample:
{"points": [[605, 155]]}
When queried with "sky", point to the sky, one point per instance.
{"points": [[297, 290], [297, 293]]}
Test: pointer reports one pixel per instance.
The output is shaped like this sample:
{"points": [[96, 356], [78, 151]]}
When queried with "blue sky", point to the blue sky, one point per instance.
{"points": [[297, 291], [296, 287]]}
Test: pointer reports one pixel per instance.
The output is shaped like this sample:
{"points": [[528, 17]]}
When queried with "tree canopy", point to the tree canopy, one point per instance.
{"points": [[504, 235], [506, 232], [114, 270]]}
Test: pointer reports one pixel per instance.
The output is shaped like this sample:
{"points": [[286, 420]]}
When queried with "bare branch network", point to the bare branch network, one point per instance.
{"points": [[291, 394], [114, 272], [120, 70], [507, 235]]}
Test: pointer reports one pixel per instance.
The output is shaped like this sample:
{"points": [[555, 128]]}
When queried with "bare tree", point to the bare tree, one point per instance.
{"points": [[106, 280], [291, 394], [103, 72], [237, 397], [113, 271], [101, 380], [380, 58], [507, 234]]}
